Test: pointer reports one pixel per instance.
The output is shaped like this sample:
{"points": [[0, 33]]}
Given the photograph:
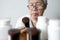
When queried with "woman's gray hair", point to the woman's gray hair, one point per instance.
{"points": [[45, 2]]}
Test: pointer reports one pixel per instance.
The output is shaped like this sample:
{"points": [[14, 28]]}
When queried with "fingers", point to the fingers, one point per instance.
{"points": [[24, 30]]}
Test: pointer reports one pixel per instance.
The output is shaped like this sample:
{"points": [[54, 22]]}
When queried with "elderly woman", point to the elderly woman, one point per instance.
{"points": [[36, 8]]}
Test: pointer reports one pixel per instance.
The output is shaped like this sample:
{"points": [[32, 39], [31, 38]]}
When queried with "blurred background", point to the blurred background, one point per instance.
{"points": [[14, 9]]}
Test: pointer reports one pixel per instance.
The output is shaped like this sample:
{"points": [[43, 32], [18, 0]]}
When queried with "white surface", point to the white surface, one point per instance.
{"points": [[4, 27], [42, 25], [54, 30]]}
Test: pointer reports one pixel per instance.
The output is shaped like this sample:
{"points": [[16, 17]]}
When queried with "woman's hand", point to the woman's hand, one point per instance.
{"points": [[31, 31], [23, 30], [27, 30]]}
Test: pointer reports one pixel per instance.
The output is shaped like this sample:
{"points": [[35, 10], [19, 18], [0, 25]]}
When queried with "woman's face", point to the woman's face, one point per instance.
{"points": [[36, 8]]}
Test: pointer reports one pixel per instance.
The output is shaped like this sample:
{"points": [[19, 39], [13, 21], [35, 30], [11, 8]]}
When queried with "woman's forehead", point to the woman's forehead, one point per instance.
{"points": [[34, 1]]}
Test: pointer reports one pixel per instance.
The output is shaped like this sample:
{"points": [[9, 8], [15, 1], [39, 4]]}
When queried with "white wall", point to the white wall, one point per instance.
{"points": [[53, 9], [16, 8]]}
